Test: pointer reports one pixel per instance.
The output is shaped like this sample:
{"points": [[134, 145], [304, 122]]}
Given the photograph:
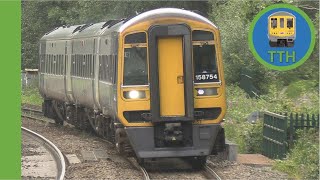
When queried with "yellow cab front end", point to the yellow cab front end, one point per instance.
{"points": [[171, 91]]}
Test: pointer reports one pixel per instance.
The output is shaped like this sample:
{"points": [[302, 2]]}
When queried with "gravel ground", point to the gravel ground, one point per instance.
{"points": [[233, 170], [36, 161], [72, 141], [177, 169]]}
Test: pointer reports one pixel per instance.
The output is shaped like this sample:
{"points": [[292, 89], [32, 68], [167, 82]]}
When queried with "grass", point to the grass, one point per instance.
{"points": [[298, 88], [303, 160], [30, 95]]}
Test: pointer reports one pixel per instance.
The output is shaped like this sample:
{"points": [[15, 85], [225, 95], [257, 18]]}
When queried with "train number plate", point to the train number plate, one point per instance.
{"points": [[206, 77]]}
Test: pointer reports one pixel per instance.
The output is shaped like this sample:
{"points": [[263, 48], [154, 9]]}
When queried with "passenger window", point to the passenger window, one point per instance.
{"points": [[289, 23], [135, 66], [273, 22], [281, 22]]}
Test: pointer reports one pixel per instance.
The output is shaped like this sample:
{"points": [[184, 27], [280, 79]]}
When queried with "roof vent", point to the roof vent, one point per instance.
{"points": [[52, 30], [85, 26]]}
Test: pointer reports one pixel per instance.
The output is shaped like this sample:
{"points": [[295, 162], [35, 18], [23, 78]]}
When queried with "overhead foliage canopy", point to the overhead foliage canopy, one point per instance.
{"points": [[232, 17]]}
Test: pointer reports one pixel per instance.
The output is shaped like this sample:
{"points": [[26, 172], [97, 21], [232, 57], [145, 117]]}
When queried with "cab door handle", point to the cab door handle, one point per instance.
{"points": [[180, 79]]}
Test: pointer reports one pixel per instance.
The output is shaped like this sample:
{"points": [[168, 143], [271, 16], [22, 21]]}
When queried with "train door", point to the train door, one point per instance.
{"points": [[170, 60], [170, 75]]}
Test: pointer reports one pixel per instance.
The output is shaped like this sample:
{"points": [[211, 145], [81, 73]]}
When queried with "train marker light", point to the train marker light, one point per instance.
{"points": [[200, 91]]}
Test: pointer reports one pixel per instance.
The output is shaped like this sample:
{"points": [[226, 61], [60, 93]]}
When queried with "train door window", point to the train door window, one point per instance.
{"points": [[55, 64], [135, 66], [51, 57], [46, 63], [281, 22], [58, 64], [274, 22], [72, 65], [77, 64], [289, 23]]}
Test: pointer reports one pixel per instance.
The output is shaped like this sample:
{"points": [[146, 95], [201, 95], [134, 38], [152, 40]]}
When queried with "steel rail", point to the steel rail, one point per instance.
{"points": [[211, 173], [31, 110], [133, 162], [57, 155]]}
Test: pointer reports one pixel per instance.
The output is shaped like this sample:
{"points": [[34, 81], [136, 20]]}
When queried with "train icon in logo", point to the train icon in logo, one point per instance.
{"points": [[281, 29]]}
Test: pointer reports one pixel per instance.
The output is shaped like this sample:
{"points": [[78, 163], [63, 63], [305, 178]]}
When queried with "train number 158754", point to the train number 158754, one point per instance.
{"points": [[210, 76]]}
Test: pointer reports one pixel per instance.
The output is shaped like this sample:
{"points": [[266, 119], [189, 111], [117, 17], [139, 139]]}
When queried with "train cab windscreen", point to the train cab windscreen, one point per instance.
{"points": [[135, 66], [289, 22], [135, 60], [204, 57], [273, 22]]}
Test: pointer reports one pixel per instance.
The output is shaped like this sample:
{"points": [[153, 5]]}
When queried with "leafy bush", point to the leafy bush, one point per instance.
{"points": [[303, 160], [239, 106]]}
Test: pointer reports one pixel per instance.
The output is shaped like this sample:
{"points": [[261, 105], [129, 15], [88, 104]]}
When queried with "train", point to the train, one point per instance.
{"points": [[281, 29], [153, 84]]}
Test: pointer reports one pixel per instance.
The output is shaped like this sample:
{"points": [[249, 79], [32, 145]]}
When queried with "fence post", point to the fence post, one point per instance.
{"points": [[297, 121], [302, 121], [291, 131], [313, 121], [308, 121]]}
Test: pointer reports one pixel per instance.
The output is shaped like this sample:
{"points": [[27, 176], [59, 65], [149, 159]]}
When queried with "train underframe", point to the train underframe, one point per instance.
{"points": [[166, 139], [281, 42]]}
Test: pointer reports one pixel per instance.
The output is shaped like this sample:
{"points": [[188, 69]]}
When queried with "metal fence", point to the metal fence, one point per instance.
{"points": [[274, 143], [279, 131]]}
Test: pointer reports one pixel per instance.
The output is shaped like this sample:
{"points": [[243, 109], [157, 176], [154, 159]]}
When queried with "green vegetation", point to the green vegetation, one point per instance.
{"points": [[31, 96], [249, 136], [297, 88], [303, 161]]}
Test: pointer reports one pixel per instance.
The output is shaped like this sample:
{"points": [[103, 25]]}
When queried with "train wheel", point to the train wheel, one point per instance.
{"points": [[71, 115], [290, 44], [82, 119], [272, 44], [48, 110], [59, 112], [282, 43], [197, 162], [141, 161], [122, 143]]}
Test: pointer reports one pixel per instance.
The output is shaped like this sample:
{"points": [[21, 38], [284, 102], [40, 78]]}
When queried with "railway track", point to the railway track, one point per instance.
{"points": [[208, 172], [54, 151]]}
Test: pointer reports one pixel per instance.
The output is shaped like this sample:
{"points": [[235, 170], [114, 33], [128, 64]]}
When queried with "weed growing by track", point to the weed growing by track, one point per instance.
{"points": [[30, 95]]}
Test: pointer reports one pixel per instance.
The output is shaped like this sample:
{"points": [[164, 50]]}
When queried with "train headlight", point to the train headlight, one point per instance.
{"points": [[134, 94], [207, 91]]}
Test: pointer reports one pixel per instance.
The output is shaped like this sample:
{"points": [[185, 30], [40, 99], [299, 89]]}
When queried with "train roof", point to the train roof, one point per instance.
{"points": [[281, 13], [165, 12], [87, 30]]}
